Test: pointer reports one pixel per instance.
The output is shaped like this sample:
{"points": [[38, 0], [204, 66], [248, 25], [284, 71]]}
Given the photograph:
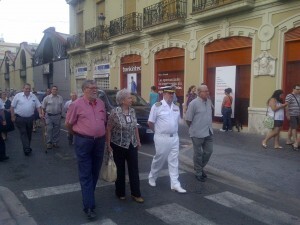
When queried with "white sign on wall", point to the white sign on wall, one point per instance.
{"points": [[81, 71], [225, 78], [101, 70]]}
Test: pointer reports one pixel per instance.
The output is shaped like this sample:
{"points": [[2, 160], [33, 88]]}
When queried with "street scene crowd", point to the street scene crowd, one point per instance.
{"points": [[92, 132]]}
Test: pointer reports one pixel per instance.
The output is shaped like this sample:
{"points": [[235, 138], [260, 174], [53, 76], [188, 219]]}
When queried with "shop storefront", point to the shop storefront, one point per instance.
{"points": [[234, 51], [130, 74], [169, 69], [291, 62]]}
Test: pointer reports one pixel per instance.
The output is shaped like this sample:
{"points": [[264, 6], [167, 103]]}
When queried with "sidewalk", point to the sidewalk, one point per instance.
{"points": [[12, 211]]}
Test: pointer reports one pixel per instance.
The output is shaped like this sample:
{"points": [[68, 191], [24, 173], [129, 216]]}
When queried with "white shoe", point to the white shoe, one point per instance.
{"points": [[152, 182], [178, 189], [222, 130]]}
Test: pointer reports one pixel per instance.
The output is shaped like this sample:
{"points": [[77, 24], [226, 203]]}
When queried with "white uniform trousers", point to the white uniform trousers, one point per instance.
{"points": [[167, 147]]}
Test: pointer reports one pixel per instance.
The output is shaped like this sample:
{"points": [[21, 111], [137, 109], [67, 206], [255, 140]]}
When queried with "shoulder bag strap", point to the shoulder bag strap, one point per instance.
{"points": [[296, 100]]}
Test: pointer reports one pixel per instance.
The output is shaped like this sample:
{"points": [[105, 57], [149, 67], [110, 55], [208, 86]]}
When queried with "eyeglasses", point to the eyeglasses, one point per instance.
{"points": [[93, 88]]}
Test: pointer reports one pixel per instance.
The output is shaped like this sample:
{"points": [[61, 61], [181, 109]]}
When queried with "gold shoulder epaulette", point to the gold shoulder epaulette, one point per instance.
{"points": [[177, 103], [157, 104]]}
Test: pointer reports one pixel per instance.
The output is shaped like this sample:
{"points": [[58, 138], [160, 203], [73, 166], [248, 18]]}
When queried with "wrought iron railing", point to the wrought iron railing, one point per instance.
{"points": [[164, 11], [126, 24], [75, 41], [96, 34], [201, 5]]}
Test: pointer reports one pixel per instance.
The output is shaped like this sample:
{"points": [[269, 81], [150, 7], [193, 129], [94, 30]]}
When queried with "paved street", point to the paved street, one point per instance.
{"points": [[246, 185]]}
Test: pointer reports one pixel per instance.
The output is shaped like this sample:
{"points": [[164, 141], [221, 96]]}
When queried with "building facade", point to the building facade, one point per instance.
{"points": [[51, 63], [16, 67], [251, 46]]}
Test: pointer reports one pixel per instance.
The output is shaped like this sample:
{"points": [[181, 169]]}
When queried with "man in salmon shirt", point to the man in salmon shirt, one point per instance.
{"points": [[86, 119]]}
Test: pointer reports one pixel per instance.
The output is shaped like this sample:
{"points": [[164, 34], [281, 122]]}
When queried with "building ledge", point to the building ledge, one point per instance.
{"points": [[223, 10], [164, 26], [99, 44], [126, 37], [76, 50]]}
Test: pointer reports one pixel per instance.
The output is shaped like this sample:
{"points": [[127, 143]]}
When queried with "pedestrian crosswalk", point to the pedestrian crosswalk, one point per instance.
{"points": [[101, 222], [254, 209], [176, 214], [68, 188]]}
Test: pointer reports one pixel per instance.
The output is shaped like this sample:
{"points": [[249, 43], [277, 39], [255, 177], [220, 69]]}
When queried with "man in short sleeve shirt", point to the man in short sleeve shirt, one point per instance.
{"points": [[86, 119], [163, 120], [52, 106], [22, 113], [293, 115], [199, 120]]}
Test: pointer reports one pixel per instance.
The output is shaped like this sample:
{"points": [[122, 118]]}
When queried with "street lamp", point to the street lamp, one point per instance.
{"points": [[101, 19]]}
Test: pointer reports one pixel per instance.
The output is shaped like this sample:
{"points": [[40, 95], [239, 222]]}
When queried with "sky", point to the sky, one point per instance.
{"points": [[25, 20]]}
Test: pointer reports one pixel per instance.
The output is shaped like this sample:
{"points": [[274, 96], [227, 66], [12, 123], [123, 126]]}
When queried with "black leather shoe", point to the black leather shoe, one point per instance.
{"points": [[200, 178], [27, 151], [204, 174], [4, 158], [90, 214]]}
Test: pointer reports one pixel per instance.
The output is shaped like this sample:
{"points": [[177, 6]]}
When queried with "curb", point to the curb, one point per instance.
{"points": [[11, 209]]}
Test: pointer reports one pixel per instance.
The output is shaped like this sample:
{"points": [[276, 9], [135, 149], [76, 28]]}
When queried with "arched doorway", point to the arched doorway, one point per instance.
{"points": [[169, 69], [130, 73], [291, 62], [233, 51]]}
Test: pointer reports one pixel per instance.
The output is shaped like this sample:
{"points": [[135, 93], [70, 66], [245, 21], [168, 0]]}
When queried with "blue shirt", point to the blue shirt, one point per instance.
{"points": [[153, 98]]}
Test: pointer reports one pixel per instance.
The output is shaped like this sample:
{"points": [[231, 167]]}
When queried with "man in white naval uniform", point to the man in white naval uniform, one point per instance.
{"points": [[163, 120]]}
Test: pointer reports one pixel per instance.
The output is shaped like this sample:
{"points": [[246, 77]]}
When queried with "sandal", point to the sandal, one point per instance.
{"points": [[278, 147], [295, 147], [289, 143], [264, 145]]}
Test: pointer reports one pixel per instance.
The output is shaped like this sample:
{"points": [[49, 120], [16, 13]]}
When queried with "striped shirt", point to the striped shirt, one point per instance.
{"points": [[293, 105]]}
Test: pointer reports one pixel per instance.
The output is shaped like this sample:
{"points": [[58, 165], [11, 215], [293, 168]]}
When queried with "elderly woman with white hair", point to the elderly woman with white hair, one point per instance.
{"points": [[122, 137]]}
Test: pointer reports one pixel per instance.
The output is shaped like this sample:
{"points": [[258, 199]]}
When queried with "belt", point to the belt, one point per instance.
{"points": [[50, 114], [17, 115], [167, 135], [89, 137]]}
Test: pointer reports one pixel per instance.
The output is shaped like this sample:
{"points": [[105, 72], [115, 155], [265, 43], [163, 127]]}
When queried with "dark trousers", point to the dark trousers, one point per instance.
{"points": [[131, 156], [24, 125], [227, 125], [2, 148], [89, 158]]}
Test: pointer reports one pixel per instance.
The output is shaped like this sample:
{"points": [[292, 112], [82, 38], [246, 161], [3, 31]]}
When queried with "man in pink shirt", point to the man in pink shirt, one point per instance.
{"points": [[86, 119]]}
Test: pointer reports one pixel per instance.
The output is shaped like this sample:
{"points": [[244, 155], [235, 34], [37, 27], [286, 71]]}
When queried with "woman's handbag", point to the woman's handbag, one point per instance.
{"points": [[109, 169], [268, 122]]}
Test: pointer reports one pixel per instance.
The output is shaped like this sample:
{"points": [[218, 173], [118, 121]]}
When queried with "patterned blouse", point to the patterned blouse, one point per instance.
{"points": [[123, 127]]}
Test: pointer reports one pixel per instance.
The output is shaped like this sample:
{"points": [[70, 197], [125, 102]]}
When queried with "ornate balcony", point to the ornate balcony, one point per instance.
{"points": [[75, 43], [97, 37], [209, 9], [165, 15], [126, 27]]}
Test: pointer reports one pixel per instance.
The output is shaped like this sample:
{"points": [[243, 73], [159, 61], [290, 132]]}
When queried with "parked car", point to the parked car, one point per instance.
{"points": [[40, 95], [141, 107]]}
